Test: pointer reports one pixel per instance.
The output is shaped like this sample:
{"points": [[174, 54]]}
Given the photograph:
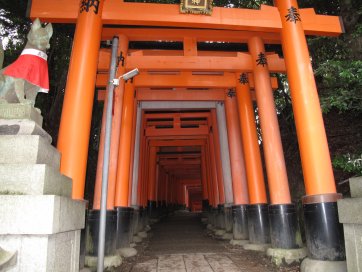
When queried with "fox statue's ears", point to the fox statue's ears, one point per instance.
{"points": [[37, 25], [49, 29]]}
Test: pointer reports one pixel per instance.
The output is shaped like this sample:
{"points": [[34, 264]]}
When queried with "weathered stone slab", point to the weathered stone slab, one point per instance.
{"points": [[355, 185], [33, 179], [353, 242], [28, 149], [196, 262], [172, 262], [349, 210], [39, 253], [20, 111], [147, 266], [22, 127], [310, 265], [221, 263], [45, 214]]}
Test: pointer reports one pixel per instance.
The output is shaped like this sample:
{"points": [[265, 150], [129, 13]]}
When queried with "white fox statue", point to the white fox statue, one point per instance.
{"points": [[21, 81]]}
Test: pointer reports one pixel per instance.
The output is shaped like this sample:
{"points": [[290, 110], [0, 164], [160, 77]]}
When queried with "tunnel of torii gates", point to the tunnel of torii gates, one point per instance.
{"points": [[184, 131]]}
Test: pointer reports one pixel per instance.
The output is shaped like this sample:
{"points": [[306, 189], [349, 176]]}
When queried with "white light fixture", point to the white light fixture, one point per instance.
{"points": [[126, 76]]}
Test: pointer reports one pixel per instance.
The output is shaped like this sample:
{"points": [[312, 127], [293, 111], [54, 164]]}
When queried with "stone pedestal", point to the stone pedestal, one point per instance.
{"points": [[349, 211], [40, 224]]}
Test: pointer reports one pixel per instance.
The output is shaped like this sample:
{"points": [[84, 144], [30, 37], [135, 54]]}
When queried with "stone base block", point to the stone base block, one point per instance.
{"points": [[27, 149], [109, 262], [20, 111], [44, 214], [310, 265], [22, 127], [56, 252], [127, 252], [154, 221], [353, 242], [219, 232], [355, 185], [257, 247], [204, 220], [281, 256], [137, 239], [142, 234], [210, 227], [33, 179], [239, 242], [227, 236], [349, 210]]}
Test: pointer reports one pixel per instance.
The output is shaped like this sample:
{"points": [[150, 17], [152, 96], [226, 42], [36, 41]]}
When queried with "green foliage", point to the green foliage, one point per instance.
{"points": [[337, 61], [351, 163], [341, 83]]}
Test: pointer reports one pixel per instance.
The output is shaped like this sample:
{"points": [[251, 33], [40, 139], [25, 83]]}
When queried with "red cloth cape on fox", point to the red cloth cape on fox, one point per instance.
{"points": [[31, 66]]}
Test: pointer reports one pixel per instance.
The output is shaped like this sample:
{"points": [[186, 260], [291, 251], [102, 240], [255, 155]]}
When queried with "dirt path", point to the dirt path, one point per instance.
{"points": [[180, 243]]}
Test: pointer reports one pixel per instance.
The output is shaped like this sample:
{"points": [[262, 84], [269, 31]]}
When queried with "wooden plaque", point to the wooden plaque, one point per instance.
{"points": [[196, 6]]}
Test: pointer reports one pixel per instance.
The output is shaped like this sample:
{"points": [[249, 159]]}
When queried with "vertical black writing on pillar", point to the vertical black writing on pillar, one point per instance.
{"points": [[231, 93], [243, 79], [261, 60], [121, 59], [293, 15], [86, 5]]}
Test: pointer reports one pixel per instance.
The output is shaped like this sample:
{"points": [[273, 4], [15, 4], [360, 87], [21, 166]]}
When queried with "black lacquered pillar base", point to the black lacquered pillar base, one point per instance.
{"points": [[140, 219], [324, 233], [284, 226], [228, 219], [240, 222], [135, 220], [164, 208], [205, 205], [258, 224], [152, 209], [159, 208], [213, 216], [124, 226], [93, 221], [220, 216]]}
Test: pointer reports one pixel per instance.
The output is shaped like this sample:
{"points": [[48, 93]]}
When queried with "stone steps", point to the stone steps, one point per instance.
{"points": [[33, 179], [40, 224], [349, 212], [28, 149]]}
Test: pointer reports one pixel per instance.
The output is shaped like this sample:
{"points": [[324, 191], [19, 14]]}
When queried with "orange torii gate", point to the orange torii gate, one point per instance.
{"points": [[285, 24]]}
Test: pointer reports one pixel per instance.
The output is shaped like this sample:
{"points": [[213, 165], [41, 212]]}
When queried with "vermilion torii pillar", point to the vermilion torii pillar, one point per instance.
{"points": [[258, 233], [323, 230], [76, 117], [240, 187], [122, 188], [124, 154], [282, 213]]}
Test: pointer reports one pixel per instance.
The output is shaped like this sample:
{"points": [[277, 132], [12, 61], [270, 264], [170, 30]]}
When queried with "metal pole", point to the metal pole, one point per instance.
{"points": [[107, 144]]}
